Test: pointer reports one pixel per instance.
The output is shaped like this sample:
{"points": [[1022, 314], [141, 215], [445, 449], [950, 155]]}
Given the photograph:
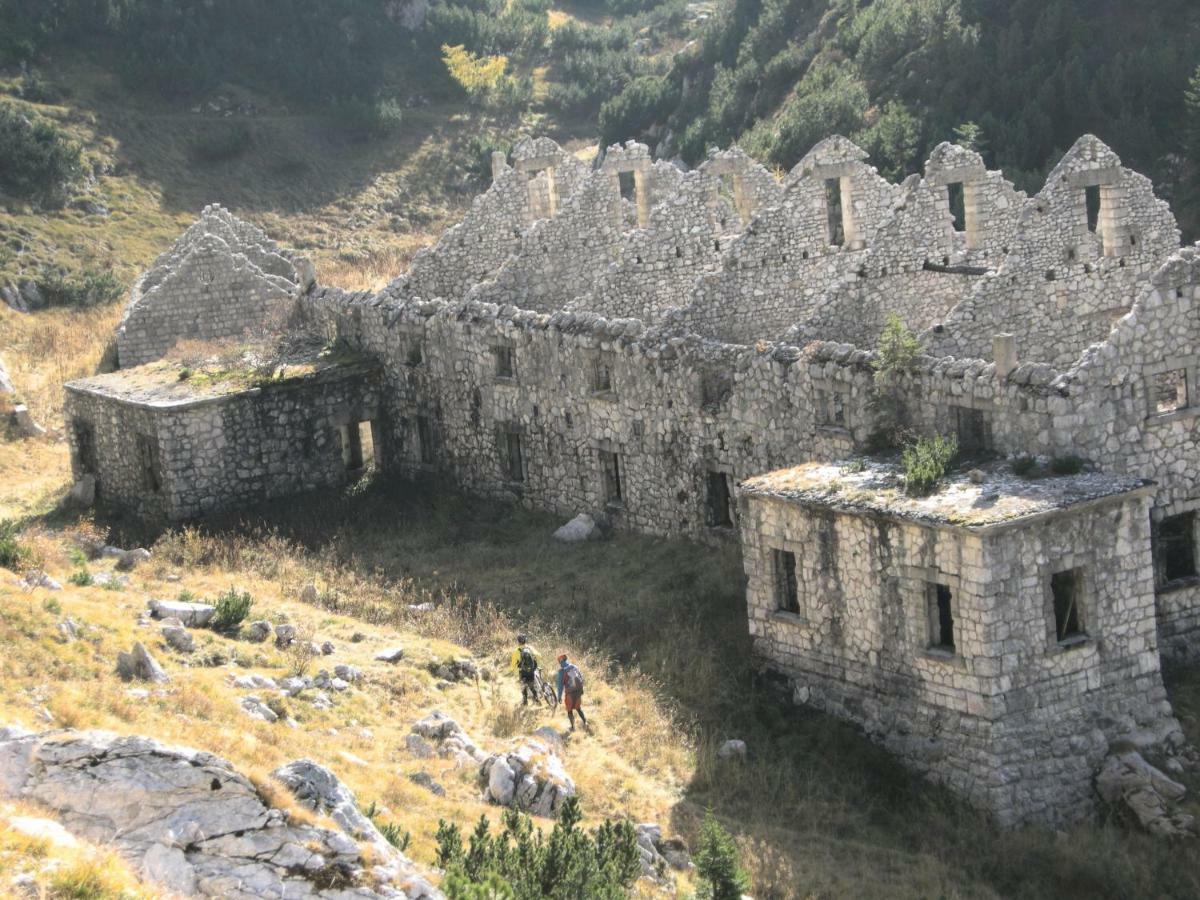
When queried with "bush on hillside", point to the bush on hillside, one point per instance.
{"points": [[37, 159], [233, 607], [369, 119], [13, 554], [521, 863], [721, 874], [86, 288]]}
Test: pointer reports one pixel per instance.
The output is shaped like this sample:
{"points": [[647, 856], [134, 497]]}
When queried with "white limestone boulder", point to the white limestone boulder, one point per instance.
{"points": [[192, 615], [581, 528], [530, 777]]}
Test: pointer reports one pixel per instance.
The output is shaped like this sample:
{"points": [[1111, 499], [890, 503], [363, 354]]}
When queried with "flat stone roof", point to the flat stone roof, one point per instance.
{"points": [[983, 497], [167, 384]]}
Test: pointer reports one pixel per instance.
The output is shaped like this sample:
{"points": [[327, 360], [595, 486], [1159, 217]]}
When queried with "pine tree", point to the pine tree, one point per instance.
{"points": [[721, 874]]}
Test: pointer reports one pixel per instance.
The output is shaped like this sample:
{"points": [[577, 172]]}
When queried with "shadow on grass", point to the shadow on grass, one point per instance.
{"points": [[821, 811]]}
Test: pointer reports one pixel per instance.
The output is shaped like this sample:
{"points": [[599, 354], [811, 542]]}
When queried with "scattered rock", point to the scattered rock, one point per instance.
{"points": [[347, 673], [421, 607], [320, 700], [110, 579], [437, 726], [132, 559], [284, 635], [68, 630], [418, 746], [425, 780], [327, 648], [178, 638], [26, 426], [657, 854], [309, 594], [393, 655], [1127, 780], [455, 670], [293, 686], [258, 631], [139, 664], [531, 777], [191, 615], [256, 709], [732, 749], [581, 528], [357, 638], [35, 578], [255, 683], [83, 492], [6, 385]]}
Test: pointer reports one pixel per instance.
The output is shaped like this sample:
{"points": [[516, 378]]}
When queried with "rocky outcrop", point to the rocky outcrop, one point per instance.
{"points": [[194, 825], [189, 614], [530, 777]]}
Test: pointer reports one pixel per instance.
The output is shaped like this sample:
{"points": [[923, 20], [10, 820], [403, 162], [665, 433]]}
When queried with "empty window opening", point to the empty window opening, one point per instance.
{"points": [[416, 355], [787, 595], [940, 616], [610, 475], [1092, 201], [358, 447], [973, 430], [1170, 391], [628, 184], [1175, 548], [85, 446], [831, 408], [148, 463], [425, 439], [958, 205], [720, 501], [602, 373], [1067, 590], [715, 388], [505, 362], [835, 226], [512, 460]]}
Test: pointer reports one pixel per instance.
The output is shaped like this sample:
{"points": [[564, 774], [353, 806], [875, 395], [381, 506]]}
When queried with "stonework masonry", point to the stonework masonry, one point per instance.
{"points": [[635, 341]]}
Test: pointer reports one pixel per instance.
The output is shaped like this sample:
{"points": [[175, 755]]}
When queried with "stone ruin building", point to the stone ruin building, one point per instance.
{"points": [[628, 339]]}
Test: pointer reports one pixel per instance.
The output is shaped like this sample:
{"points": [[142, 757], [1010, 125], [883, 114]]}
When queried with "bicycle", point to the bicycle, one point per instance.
{"points": [[544, 690]]}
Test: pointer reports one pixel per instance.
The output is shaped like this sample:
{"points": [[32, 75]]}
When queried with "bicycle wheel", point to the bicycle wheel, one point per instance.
{"points": [[549, 695]]}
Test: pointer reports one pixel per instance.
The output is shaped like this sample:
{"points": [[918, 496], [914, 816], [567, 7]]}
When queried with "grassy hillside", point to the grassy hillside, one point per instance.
{"points": [[659, 625]]}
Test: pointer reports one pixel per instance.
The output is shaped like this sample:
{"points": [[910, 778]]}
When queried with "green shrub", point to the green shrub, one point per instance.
{"points": [[392, 833], [85, 289], [721, 875], [81, 577], [1024, 466], [232, 608], [520, 862], [13, 554], [37, 159], [926, 461], [52, 606], [36, 89], [1066, 465], [369, 119], [225, 142]]}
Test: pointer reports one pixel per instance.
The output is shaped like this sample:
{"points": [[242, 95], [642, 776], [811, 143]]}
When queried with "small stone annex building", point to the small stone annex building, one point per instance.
{"points": [[996, 635], [622, 337]]}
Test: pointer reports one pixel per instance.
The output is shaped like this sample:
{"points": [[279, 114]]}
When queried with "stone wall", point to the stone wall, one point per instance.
{"points": [[1009, 718], [221, 279], [178, 461], [1063, 284]]}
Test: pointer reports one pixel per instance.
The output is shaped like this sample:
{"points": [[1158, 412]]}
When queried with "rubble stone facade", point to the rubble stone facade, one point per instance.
{"points": [[942, 626], [634, 341], [163, 452]]}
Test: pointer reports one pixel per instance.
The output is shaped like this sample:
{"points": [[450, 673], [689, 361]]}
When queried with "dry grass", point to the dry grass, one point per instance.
{"points": [[45, 350], [32, 866]]}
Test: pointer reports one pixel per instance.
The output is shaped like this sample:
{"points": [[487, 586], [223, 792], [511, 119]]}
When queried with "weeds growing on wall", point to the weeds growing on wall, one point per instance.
{"points": [[895, 360]]}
